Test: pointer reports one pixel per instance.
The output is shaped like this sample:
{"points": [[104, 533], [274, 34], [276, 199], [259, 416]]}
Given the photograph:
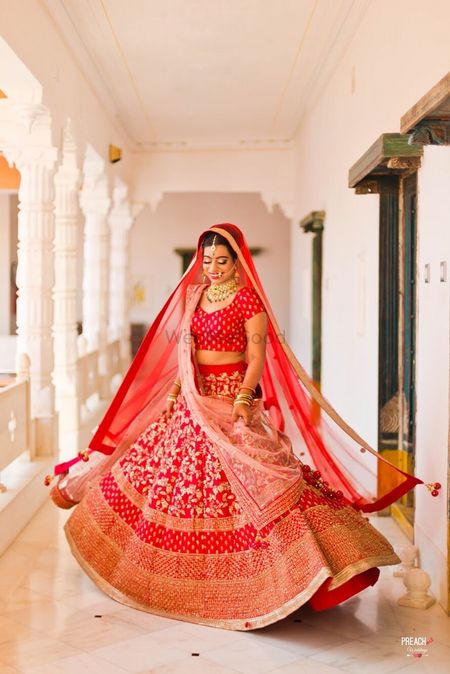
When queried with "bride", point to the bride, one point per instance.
{"points": [[212, 491]]}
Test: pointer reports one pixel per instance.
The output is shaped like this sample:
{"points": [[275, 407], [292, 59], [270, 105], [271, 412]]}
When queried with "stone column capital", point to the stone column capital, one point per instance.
{"points": [[68, 172], [94, 199], [29, 138]]}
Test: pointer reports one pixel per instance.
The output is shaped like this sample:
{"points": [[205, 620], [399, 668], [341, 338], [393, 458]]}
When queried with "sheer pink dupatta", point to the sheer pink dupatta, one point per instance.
{"points": [[259, 459]]}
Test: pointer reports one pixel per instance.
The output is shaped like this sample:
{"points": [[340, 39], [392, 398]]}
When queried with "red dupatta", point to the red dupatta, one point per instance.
{"points": [[261, 460]]}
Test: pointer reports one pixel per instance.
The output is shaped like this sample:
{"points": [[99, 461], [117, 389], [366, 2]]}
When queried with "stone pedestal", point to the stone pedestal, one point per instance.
{"points": [[417, 582]]}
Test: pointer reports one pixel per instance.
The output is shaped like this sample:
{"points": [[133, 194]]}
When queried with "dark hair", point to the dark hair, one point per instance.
{"points": [[220, 241]]}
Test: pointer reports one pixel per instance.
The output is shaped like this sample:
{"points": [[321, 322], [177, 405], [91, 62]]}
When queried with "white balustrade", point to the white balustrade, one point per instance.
{"points": [[90, 391], [16, 432]]}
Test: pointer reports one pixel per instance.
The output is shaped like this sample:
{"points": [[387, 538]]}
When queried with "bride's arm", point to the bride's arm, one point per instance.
{"points": [[176, 385], [173, 392], [256, 329]]}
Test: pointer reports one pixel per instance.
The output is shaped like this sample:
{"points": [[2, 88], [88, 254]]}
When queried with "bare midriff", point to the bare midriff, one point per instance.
{"points": [[206, 357]]}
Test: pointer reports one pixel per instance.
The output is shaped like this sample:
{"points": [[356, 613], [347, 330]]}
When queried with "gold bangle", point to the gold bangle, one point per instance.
{"points": [[243, 399], [177, 384], [172, 397], [249, 388]]}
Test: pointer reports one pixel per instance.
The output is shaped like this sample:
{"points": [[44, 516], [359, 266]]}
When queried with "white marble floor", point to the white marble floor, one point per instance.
{"points": [[53, 620]]}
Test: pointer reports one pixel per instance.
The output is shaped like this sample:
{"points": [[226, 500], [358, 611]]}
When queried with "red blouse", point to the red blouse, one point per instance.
{"points": [[224, 329]]}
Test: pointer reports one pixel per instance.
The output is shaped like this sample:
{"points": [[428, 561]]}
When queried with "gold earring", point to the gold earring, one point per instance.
{"points": [[203, 277], [236, 276]]}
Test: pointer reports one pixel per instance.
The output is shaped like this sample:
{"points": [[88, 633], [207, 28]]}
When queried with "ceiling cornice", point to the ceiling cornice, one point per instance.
{"points": [[64, 13], [252, 145], [345, 26], [87, 65]]}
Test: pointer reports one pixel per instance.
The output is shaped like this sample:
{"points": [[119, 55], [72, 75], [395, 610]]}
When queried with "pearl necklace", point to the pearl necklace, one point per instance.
{"points": [[219, 292]]}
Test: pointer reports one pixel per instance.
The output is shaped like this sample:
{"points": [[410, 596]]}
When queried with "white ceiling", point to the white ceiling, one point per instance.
{"points": [[186, 73]]}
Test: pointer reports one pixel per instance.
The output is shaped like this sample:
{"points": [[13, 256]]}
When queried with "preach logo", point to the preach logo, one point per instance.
{"points": [[416, 647]]}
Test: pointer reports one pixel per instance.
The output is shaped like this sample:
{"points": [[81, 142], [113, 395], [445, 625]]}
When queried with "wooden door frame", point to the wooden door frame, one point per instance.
{"points": [[381, 170], [314, 223]]}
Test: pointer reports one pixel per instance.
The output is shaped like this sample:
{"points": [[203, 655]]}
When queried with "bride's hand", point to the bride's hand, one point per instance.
{"points": [[170, 402], [241, 411], [167, 411]]}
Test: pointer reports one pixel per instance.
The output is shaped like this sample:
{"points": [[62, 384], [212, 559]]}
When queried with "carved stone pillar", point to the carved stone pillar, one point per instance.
{"points": [[121, 219], [95, 205], [65, 294], [34, 156]]}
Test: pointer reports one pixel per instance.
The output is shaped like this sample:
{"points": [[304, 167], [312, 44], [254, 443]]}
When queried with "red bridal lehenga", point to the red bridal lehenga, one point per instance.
{"points": [[230, 525]]}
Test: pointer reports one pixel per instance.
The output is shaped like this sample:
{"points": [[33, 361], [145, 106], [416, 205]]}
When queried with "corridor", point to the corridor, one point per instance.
{"points": [[53, 620], [127, 129]]}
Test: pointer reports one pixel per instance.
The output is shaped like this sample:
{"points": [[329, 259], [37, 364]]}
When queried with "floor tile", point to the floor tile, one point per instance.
{"points": [[140, 654], [306, 666], [76, 664], [250, 656], [33, 651], [196, 665], [48, 625]]}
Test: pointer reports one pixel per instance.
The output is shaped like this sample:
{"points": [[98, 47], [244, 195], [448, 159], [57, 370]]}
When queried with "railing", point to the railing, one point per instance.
{"points": [[80, 409], [80, 414], [16, 435], [114, 357], [88, 380], [8, 349]]}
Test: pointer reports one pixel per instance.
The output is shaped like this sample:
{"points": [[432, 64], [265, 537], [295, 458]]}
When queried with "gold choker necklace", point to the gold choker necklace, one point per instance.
{"points": [[219, 292]]}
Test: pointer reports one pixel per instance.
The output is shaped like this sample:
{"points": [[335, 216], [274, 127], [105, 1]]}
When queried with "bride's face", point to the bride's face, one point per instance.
{"points": [[218, 265]]}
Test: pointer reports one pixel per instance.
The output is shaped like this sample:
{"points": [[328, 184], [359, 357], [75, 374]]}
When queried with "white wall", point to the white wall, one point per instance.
{"points": [[399, 51], [269, 172], [8, 255], [339, 126], [349, 349], [4, 262], [432, 358], [177, 223]]}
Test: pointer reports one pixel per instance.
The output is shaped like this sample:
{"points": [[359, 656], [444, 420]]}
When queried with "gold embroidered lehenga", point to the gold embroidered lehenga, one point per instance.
{"points": [[225, 524]]}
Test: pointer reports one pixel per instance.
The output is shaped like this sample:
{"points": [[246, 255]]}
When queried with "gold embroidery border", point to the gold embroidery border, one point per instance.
{"points": [[256, 622]]}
